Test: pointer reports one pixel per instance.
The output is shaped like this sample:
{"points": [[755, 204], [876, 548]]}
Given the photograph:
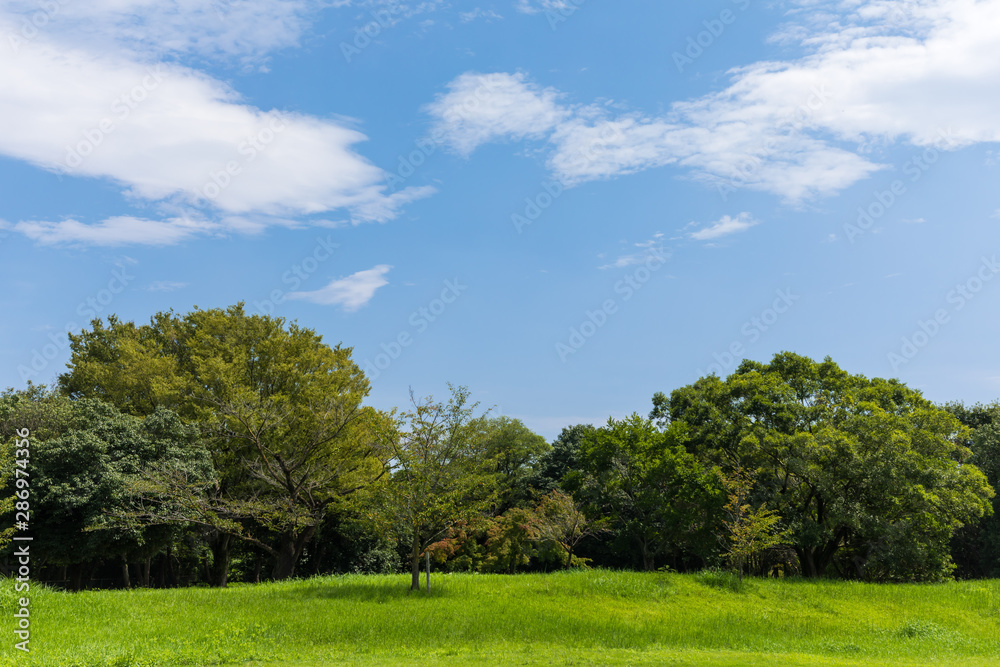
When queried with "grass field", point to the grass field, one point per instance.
{"points": [[576, 618]]}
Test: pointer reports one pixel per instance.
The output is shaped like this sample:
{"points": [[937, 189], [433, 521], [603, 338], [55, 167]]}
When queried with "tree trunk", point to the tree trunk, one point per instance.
{"points": [[415, 562], [648, 563], [76, 577], [289, 552], [258, 566], [808, 562], [171, 578], [320, 552], [218, 573], [126, 582], [144, 574]]}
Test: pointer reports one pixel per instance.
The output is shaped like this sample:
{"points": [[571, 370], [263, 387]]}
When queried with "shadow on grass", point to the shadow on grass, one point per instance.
{"points": [[723, 580], [348, 588]]}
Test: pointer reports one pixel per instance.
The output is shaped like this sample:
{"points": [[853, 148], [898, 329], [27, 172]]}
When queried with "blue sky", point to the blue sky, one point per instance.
{"points": [[566, 205]]}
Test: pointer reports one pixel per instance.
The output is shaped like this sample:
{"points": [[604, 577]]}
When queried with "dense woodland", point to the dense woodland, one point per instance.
{"points": [[218, 446]]}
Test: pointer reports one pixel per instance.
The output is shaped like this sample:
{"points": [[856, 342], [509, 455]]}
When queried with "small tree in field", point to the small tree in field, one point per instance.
{"points": [[441, 474], [750, 532]]}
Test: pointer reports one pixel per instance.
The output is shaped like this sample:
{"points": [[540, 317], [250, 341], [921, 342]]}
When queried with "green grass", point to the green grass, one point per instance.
{"points": [[578, 618]]}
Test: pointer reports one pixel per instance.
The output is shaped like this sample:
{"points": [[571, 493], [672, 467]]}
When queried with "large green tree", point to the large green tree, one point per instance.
{"points": [[871, 478], [280, 412]]}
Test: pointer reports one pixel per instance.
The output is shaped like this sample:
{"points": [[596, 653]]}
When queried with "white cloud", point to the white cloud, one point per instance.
{"points": [[248, 29], [173, 136], [922, 72], [351, 292], [479, 108], [724, 227], [487, 15], [535, 6], [588, 145], [117, 231]]}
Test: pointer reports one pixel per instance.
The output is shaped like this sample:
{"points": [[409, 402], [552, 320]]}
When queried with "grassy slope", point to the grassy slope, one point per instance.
{"points": [[578, 618]]}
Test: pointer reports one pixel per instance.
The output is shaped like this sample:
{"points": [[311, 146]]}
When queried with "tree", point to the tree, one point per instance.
{"points": [[657, 495], [280, 412], [517, 451], [976, 546], [750, 531], [441, 474], [871, 478], [82, 466], [510, 541], [562, 460], [7, 449], [561, 521]]}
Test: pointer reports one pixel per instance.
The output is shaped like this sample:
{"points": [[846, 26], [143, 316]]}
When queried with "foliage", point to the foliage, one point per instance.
{"points": [[441, 473], [217, 435], [7, 501], [750, 531], [83, 466], [977, 546], [517, 452], [561, 521], [871, 477], [657, 495], [510, 541], [561, 463], [460, 550], [281, 413]]}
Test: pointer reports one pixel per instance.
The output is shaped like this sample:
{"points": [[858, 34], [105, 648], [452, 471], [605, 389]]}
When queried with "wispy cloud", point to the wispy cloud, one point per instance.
{"points": [[117, 231], [350, 293], [652, 247], [884, 71], [479, 13], [724, 227], [536, 6], [246, 29]]}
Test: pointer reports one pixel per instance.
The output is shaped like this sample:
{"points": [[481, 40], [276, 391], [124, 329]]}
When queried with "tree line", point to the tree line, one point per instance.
{"points": [[217, 445]]}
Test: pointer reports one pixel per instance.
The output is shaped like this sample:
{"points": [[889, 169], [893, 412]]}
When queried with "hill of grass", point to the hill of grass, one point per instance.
{"points": [[574, 618]]}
